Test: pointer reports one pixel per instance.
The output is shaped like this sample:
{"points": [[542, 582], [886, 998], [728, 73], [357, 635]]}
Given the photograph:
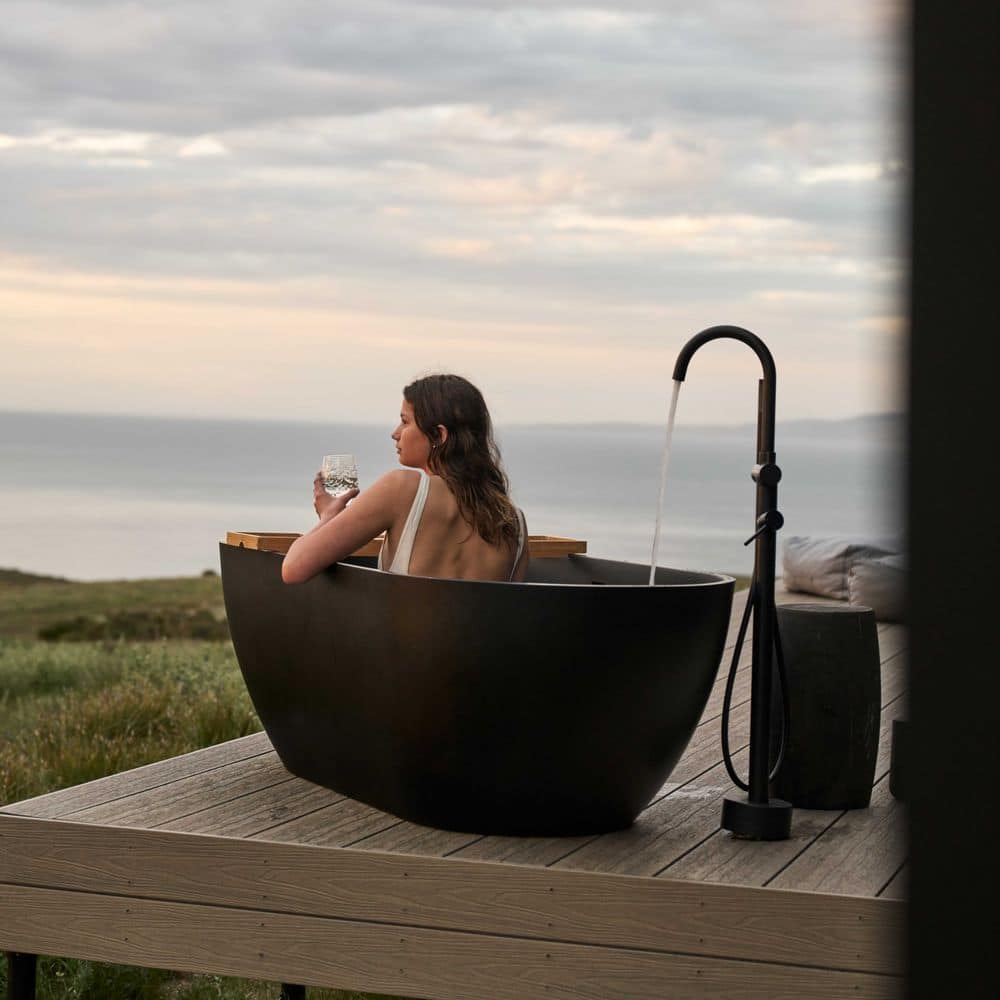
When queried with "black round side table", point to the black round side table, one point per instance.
{"points": [[834, 693]]}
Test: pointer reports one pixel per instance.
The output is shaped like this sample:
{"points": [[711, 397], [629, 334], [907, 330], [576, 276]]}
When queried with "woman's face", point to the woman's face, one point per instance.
{"points": [[412, 446]]}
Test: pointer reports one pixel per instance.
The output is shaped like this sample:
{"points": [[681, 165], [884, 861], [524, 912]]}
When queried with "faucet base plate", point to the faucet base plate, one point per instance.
{"points": [[747, 820]]}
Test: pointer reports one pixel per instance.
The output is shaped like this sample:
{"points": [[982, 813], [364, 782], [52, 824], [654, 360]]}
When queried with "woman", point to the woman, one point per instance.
{"points": [[447, 514]]}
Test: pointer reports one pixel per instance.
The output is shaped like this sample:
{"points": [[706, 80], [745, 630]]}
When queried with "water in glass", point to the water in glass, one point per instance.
{"points": [[340, 474]]}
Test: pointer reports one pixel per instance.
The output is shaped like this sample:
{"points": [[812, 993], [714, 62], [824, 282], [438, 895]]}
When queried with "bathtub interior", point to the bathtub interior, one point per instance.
{"points": [[581, 570]]}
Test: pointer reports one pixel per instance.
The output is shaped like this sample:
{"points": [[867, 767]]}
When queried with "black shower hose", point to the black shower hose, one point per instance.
{"points": [[752, 599]]}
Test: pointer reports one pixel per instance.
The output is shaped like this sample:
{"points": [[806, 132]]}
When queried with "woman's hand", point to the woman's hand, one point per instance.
{"points": [[342, 528], [327, 506]]}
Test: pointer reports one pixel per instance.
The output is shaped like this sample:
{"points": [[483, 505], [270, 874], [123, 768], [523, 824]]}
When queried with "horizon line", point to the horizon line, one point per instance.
{"points": [[96, 414]]}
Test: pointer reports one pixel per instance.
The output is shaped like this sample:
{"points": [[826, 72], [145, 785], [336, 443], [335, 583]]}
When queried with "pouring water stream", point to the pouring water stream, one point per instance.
{"points": [[663, 479]]}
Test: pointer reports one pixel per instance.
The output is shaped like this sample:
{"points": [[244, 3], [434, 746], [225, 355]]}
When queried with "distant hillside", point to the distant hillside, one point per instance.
{"points": [[862, 423], [16, 578], [872, 423], [867, 422], [166, 607]]}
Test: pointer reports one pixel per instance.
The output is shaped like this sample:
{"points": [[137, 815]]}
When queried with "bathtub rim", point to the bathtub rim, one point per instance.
{"points": [[711, 578]]}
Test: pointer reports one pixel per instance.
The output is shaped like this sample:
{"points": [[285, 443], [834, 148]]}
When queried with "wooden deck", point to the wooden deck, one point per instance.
{"points": [[220, 861]]}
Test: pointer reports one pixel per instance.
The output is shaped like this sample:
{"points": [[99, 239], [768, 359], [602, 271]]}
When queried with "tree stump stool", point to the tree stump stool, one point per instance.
{"points": [[834, 693]]}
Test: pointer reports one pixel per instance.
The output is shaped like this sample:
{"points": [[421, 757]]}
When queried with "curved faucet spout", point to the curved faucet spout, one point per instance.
{"points": [[765, 415]]}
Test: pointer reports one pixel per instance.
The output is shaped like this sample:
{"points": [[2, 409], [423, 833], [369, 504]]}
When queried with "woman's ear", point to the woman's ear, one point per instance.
{"points": [[442, 434]]}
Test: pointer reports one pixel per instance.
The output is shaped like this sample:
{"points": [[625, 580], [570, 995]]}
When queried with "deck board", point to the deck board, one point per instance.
{"points": [[897, 887], [339, 824], [857, 854], [155, 775], [170, 863], [412, 838], [256, 812], [186, 795]]}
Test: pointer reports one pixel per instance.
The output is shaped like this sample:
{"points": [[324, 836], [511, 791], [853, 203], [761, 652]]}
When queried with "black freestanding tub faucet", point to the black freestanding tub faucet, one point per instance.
{"points": [[757, 817]]}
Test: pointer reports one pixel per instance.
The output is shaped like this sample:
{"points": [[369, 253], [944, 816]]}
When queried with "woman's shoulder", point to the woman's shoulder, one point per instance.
{"points": [[397, 484], [388, 498], [397, 478]]}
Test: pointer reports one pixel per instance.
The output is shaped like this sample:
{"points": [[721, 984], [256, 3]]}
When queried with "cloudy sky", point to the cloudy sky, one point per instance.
{"points": [[288, 209]]}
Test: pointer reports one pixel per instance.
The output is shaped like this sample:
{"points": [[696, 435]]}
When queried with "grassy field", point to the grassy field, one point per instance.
{"points": [[108, 692]]}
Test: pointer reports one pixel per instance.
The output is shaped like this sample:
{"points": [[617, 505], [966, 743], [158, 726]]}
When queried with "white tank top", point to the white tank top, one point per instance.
{"points": [[401, 557]]}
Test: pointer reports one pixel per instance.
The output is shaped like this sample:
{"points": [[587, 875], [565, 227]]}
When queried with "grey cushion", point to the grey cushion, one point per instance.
{"points": [[820, 565], [879, 584]]}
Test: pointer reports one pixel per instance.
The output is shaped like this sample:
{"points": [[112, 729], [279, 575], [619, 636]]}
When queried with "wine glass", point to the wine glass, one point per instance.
{"points": [[340, 474]]}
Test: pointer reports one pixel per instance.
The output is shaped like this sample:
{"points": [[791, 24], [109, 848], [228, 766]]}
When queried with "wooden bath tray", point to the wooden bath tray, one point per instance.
{"points": [[539, 546]]}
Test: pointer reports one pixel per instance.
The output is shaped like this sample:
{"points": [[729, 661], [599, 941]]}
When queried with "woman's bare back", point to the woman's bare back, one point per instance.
{"points": [[445, 545]]}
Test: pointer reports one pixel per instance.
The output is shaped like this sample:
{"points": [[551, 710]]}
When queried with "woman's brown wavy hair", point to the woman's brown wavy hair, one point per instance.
{"points": [[468, 460]]}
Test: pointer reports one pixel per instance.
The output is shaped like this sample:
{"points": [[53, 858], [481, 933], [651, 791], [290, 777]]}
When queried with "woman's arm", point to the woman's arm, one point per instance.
{"points": [[343, 529]]}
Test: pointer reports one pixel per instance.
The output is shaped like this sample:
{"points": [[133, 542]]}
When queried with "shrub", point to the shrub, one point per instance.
{"points": [[157, 623]]}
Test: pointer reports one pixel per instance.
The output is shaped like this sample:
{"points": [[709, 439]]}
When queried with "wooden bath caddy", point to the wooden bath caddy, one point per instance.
{"points": [[539, 546]]}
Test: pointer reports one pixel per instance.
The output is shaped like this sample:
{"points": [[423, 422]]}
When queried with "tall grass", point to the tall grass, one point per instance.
{"points": [[69, 979], [129, 704]]}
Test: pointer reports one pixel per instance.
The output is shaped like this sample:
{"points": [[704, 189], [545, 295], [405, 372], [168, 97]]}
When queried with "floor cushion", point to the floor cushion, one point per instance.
{"points": [[879, 584], [821, 566]]}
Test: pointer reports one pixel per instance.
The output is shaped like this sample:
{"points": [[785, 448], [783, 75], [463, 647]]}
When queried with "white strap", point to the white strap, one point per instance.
{"points": [[401, 557], [522, 530]]}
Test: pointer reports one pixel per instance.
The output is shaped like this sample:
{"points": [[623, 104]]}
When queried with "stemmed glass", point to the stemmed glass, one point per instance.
{"points": [[340, 474]]}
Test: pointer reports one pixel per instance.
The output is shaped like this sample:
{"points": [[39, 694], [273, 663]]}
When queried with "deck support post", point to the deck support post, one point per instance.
{"points": [[21, 975], [290, 991]]}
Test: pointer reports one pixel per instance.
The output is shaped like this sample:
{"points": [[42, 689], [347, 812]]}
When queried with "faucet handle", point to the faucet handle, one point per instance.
{"points": [[770, 520], [766, 473]]}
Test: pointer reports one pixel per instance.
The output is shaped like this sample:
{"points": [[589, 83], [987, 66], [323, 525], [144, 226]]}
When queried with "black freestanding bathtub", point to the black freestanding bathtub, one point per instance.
{"points": [[556, 706]]}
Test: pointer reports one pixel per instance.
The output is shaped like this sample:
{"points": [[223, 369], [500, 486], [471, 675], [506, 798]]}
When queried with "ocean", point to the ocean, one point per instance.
{"points": [[112, 497]]}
